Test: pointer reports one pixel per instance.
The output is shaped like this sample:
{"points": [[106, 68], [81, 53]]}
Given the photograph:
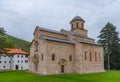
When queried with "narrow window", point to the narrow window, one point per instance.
{"points": [[99, 56], [82, 25], [77, 25], [18, 61], [0, 62], [90, 56], [95, 56], [72, 26], [53, 57], [85, 55], [41, 56], [18, 56], [70, 57]]}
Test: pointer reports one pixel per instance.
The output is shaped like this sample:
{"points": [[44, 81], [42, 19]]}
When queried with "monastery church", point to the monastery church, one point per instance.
{"points": [[65, 51]]}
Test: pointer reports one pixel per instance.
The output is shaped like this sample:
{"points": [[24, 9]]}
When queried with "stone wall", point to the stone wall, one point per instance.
{"points": [[61, 50], [91, 63]]}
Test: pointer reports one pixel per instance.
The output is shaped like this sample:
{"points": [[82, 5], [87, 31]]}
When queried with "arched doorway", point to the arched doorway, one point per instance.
{"points": [[62, 63], [62, 68]]}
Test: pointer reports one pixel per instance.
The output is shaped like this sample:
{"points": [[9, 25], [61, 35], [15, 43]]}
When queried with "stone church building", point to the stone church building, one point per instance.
{"points": [[65, 51]]}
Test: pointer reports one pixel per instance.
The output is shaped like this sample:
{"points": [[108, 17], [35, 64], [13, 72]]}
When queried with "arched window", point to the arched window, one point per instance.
{"points": [[85, 55], [42, 57], [70, 58], [95, 56], [53, 57], [90, 56], [82, 25], [72, 26], [77, 25], [99, 56]]}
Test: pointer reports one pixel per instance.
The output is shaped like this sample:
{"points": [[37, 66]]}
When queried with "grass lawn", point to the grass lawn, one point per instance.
{"points": [[22, 76]]}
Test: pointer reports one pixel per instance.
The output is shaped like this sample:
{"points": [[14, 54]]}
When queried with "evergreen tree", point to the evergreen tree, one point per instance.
{"points": [[109, 39]]}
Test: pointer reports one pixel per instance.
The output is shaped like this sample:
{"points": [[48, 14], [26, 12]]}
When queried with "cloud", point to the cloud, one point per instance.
{"points": [[19, 18]]}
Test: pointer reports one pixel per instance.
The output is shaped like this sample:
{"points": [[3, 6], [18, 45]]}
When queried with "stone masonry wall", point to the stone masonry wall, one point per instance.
{"points": [[61, 50], [91, 63]]}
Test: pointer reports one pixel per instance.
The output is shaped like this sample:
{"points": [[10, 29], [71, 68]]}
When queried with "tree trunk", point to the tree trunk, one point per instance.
{"points": [[108, 60]]}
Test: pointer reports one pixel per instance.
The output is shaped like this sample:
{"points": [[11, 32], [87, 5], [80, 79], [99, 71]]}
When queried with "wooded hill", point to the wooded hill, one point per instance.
{"points": [[19, 43]]}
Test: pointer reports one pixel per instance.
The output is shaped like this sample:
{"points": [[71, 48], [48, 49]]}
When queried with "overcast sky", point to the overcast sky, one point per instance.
{"points": [[20, 17]]}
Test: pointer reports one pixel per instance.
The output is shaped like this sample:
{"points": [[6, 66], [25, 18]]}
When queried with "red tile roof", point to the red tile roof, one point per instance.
{"points": [[16, 51], [1, 51]]}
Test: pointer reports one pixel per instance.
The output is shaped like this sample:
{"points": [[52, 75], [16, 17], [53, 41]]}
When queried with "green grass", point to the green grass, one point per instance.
{"points": [[22, 76]]}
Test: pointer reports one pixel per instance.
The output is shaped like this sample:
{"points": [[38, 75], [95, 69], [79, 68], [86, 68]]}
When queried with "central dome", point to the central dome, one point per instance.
{"points": [[77, 18]]}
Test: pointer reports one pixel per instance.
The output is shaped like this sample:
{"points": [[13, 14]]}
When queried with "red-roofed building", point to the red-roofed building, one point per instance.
{"points": [[1, 51], [17, 51], [14, 59]]}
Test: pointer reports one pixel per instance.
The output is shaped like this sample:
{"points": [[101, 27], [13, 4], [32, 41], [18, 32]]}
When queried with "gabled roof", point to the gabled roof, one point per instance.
{"points": [[83, 41], [57, 39], [16, 51], [49, 30]]}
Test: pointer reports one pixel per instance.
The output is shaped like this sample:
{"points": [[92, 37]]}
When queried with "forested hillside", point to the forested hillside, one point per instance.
{"points": [[19, 43]]}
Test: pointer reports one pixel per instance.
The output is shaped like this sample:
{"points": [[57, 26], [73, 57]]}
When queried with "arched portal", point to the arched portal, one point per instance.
{"points": [[62, 63]]}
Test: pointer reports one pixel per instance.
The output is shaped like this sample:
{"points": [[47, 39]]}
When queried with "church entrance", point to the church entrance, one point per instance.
{"points": [[62, 62], [62, 68]]}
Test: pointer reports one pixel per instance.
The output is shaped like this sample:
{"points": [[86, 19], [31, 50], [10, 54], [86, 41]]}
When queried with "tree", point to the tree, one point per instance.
{"points": [[4, 42], [2, 31], [109, 39]]}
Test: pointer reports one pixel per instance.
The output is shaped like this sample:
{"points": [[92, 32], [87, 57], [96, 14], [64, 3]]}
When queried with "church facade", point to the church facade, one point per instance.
{"points": [[65, 51]]}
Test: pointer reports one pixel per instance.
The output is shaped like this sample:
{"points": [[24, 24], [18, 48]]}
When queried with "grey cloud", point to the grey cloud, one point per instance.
{"points": [[19, 18]]}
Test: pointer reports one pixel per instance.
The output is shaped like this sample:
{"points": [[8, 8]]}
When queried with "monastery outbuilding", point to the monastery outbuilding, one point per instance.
{"points": [[67, 51], [14, 59]]}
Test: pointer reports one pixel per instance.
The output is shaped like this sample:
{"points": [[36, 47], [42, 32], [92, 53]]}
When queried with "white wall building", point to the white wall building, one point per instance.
{"points": [[14, 62], [4, 62]]}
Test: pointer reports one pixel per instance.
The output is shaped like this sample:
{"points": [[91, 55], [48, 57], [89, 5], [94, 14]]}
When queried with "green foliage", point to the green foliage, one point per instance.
{"points": [[19, 43], [109, 39], [7, 41], [4, 42], [2, 31], [18, 76]]}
